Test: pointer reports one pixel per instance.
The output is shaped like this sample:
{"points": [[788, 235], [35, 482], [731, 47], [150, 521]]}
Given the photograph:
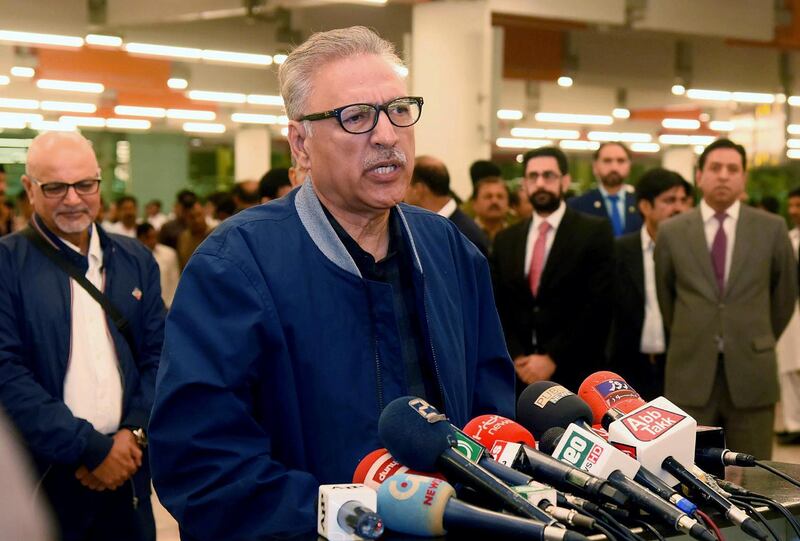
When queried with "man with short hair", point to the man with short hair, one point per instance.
{"points": [[686, 195], [638, 341], [170, 231], [553, 276], [490, 202], [479, 170], [611, 167], [245, 194], [153, 214], [274, 184], [727, 286], [196, 231], [430, 189], [78, 384], [788, 348], [167, 259], [127, 211], [293, 357]]}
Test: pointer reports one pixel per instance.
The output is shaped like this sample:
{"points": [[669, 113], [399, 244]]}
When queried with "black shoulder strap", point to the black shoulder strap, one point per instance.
{"points": [[47, 249]]}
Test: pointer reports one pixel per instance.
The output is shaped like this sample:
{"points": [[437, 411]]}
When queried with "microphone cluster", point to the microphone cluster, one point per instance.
{"points": [[606, 462]]}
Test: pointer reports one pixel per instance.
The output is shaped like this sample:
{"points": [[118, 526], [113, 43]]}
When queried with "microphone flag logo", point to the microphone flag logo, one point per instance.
{"points": [[651, 422]]}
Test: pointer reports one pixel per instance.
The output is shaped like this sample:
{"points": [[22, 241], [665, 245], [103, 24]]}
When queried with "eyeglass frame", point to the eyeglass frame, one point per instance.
{"points": [[95, 181], [547, 176], [337, 113]]}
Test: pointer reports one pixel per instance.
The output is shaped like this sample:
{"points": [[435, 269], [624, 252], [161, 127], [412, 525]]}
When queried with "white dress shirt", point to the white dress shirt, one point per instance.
{"points": [[93, 384], [120, 229], [533, 233], [653, 328], [448, 209], [167, 259], [711, 225]]}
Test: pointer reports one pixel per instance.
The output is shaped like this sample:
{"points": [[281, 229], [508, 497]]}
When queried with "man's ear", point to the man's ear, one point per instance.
{"points": [[28, 185], [297, 142], [566, 180]]}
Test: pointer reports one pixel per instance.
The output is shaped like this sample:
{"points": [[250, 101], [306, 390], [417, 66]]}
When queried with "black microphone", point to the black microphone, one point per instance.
{"points": [[570, 408], [420, 437], [725, 457], [425, 506]]}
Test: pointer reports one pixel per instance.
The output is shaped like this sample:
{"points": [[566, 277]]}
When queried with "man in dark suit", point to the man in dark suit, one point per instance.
{"points": [[430, 189], [611, 167], [727, 286], [553, 278], [638, 341]]}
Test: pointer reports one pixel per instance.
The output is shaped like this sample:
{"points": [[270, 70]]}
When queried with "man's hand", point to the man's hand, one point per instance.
{"points": [[88, 480], [531, 368], [121, 463]]}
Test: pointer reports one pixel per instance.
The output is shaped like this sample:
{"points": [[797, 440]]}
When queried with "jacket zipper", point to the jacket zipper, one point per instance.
{"points": [[433, 350]]}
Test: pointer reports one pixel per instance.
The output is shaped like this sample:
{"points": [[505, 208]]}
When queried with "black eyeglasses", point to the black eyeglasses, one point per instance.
{"points": [[547, 176], [55, 190], [363, 117]]}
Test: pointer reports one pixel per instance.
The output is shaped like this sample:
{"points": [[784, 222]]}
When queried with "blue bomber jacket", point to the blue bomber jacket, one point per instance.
{"points": [[35, 327], [279, 358]]}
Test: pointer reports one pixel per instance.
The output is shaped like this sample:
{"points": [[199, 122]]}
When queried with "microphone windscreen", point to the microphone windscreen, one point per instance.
{"points": [[544, 404], [415, 432], [378, 466], [487, 429], [550, 439], [604, 390], [414, 504]]}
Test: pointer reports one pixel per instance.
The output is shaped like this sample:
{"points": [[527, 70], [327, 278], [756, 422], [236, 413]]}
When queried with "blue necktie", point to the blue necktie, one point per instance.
{"points": [[616, 219]]}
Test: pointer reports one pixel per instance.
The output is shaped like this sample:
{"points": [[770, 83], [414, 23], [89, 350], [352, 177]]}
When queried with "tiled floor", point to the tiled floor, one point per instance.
{"points": [[168, 528]]}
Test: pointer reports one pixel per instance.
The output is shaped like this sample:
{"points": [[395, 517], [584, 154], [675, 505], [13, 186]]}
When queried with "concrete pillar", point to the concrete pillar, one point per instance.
{"points": [[451, 67], [159, 167], [252, 153], [682, 160]]}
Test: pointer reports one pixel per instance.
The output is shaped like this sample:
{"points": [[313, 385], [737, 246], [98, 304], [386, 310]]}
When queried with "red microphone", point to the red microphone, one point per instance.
{"points": [[486, 429], [605, 390], [378, 466]]}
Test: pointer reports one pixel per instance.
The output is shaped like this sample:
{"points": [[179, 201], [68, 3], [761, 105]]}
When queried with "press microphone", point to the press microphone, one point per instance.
{"points": [[347, 512], [420, 437], [662, 437], [582, 448], [724, 457], [513, 445], [378, 466], [427, 507]]}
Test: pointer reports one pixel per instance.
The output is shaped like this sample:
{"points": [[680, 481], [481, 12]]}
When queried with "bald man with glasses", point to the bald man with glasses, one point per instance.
{"points": [[81, 329], [297, 321]]}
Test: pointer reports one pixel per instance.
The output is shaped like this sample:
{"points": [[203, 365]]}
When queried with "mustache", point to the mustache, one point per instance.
{"points": [[385, 155], [79, 208]]}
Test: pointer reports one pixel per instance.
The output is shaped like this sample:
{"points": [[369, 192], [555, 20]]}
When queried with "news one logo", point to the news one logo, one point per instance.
{"points": [[491, 425], [426, 411], [614, 390], [651, 422]]}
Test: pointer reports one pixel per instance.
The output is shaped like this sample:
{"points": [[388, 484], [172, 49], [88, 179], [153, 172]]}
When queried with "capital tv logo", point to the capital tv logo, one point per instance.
{"points": [[426, 411], [651, 422]]}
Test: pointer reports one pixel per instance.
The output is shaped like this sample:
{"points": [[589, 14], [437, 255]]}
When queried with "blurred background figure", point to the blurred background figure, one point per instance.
{"points": [[170, 231], [490, 203], [274, 184], [245, 194], [197, 229], [24, 211], [166, 257], [127, 212], [518, 201], [153, 214]]}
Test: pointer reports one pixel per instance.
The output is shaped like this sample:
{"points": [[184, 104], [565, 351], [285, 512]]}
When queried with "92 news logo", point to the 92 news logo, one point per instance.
{"points": [[651, 422]]}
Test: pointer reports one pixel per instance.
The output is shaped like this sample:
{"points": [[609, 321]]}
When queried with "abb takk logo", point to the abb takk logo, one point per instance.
{"points": [[651, 422]]}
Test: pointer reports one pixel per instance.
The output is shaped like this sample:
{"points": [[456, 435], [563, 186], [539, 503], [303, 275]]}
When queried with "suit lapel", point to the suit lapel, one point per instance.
{"points": [[518, 254], [744, 229], [636, 265], [696, 238], [560, 248]]}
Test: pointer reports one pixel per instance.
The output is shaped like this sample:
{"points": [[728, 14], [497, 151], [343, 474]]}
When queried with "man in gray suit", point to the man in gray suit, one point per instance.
{"points": [[727, 284]]}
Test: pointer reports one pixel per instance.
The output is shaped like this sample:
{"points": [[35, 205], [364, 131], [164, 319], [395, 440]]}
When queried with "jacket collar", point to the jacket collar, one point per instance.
{"points": [[79, 260], [319, 228]]}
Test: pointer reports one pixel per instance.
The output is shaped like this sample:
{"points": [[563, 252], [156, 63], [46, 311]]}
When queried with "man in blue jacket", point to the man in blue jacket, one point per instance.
{"points": [[297, 321], [77, 388]]}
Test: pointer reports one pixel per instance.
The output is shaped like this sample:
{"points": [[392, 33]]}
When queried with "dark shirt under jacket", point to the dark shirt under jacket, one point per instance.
{"points": [[643, 372], [470, 229], [571, 315], [395, 270]]}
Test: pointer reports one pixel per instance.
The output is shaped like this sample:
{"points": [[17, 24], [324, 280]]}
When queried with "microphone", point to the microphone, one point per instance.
{"points": [[517, 444], [347, 512], [725, 457], [378, 466], [662, 437], [422, 438], [584, 449], [425, 506]]}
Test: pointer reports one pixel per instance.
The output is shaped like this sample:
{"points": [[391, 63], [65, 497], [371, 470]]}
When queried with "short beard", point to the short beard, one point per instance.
{"points": [[612, 180], [73, 226], [544, 201]]}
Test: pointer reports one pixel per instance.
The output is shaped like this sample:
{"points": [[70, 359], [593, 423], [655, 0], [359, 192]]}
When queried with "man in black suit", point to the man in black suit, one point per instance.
{"points": [[638, 341], [430, 189], [552, 275], [610, 200]]}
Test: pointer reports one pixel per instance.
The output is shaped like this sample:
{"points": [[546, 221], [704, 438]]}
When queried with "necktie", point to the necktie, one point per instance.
{"points": [[719, 249], [537, 261], [616, 219]]}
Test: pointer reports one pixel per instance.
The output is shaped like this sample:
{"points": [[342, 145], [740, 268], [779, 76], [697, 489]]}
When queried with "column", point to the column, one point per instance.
{"points": [[252, 159], [159, 167], [681, 160]]}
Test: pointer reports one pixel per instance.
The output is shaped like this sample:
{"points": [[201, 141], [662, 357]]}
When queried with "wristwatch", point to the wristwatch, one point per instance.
{"points": [[141, 437]]}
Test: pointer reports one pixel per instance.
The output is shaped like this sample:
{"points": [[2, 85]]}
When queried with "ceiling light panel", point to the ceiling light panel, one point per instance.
{"points": [[603, 120], [225, 97], [68, 106], [33, 38], [70, 86]]}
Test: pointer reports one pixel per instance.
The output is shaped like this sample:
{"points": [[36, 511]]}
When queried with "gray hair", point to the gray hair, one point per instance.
{"points": [[296, 73]]}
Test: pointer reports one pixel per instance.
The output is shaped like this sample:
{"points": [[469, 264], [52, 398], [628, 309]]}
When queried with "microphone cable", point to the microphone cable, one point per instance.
{"points": [[710, 523], [779, 473], [601, 516], [755, 497], [753, 512], [649, 527]]}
